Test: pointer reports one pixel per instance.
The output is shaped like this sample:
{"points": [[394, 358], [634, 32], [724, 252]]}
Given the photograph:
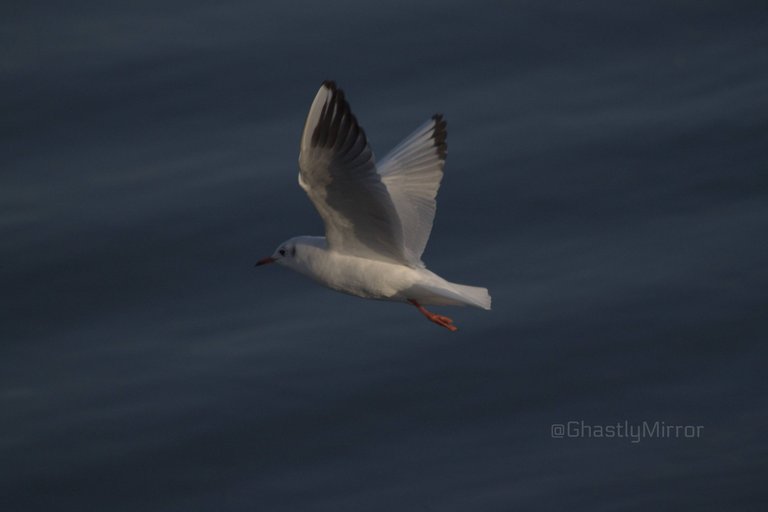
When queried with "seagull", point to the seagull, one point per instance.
{"points": [[377, 216]]}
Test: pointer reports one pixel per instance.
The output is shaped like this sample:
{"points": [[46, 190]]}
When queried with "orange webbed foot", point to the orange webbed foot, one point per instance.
{"points": [[442, 321]]}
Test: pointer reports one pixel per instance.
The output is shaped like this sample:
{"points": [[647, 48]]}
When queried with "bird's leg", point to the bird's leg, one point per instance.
{"points": [[440, 320]]}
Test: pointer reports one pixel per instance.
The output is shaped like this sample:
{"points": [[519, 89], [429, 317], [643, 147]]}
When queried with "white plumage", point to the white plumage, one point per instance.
{"points": [[377, 218]]}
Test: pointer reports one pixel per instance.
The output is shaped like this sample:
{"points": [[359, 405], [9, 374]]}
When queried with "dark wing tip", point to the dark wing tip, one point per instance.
{"points": [[337, 127], [337, 94], [440, 135]]}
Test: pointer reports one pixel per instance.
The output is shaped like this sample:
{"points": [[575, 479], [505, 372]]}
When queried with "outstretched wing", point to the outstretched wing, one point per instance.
{"points": [[412, 173], [338, 173]]}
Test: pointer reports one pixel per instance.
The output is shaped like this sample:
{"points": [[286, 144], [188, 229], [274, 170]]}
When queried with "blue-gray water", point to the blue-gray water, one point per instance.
{"points": [[606, 180]]}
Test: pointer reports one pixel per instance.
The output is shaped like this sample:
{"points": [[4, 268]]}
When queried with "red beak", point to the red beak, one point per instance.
{"points": [[264, 261]]}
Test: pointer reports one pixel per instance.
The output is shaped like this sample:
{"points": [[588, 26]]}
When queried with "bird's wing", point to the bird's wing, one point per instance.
{"points": [[338, 173], [412, 172]]}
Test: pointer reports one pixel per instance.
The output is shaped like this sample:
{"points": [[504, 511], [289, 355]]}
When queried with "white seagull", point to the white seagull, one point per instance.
{"points": [[377, 217]]}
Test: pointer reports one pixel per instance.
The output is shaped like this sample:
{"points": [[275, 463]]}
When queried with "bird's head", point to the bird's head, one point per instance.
{"points": [[284, 254], [297, 253]]}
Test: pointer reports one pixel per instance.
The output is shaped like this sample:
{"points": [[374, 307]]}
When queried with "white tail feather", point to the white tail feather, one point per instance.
{"points": [[475, 295], [452, 294]]}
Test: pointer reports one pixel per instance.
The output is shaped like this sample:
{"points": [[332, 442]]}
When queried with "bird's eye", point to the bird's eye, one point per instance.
{"points": [[282, 252]]}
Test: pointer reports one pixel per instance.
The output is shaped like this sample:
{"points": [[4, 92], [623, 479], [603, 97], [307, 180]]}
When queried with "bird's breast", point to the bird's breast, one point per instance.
{"points": [[362, 277]]}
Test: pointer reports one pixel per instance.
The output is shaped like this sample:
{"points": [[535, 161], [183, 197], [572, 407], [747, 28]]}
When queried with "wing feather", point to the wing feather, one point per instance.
{"points": [[412, 172], [338, 172]]}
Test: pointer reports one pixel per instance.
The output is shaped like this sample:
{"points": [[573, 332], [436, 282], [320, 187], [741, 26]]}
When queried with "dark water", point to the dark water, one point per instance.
{"points": [[606, 180]]}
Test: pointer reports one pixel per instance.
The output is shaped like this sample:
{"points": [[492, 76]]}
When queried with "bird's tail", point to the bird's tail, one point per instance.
{"points": [[474, 295], [452, 294]]}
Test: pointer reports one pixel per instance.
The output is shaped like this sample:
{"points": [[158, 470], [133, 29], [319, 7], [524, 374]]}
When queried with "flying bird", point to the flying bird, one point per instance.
{"points": [[377, 216]]}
